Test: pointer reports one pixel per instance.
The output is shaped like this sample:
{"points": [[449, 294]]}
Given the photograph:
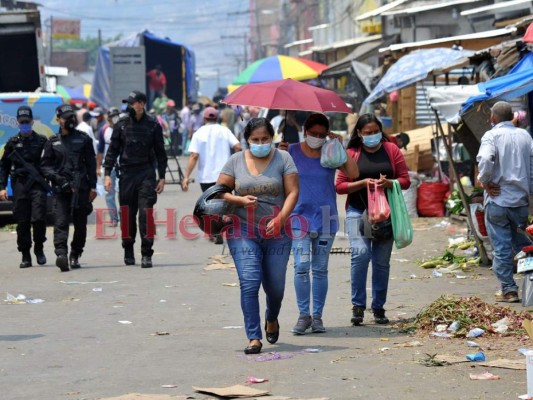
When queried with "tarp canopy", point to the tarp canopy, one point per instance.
{"points": [[518, 82], [449, 99], [415, 67], [177, 60]]}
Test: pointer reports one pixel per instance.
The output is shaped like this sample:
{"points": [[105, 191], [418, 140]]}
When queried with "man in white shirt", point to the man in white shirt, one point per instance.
{"points": [[86, 128], [210, 147]]}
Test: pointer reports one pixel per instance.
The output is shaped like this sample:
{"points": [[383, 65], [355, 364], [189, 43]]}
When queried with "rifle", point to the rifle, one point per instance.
{"points": [[75, 186], [31, 170]]}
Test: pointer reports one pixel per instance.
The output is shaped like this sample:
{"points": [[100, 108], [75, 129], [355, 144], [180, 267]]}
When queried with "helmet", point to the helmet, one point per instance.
{"points": [[210, 210]]}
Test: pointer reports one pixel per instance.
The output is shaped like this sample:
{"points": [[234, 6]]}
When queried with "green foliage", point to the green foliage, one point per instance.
{"points": [[454, 203], [90, 43]]}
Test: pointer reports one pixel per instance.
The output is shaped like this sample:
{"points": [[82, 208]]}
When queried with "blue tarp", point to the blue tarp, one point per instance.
{"points": [[415, 67], [518, 82], [158, 50]]}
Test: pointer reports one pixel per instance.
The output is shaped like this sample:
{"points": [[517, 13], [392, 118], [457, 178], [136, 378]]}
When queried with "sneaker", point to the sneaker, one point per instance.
{"points": [[379, 317], [303, 324], [509, 297], [317, 326], [358, 315]]}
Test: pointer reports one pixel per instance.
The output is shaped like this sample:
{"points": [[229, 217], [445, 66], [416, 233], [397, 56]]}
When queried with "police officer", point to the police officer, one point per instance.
{"points": [[138, 140], [69, 163], [28, 186]]}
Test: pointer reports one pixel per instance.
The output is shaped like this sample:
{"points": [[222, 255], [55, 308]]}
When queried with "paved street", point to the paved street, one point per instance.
{"points": [[73, 346]]}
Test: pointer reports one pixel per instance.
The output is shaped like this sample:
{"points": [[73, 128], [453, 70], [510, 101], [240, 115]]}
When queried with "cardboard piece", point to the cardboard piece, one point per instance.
{"points": [[235, 391], [505, 363], [526, 324], [139, 396]]}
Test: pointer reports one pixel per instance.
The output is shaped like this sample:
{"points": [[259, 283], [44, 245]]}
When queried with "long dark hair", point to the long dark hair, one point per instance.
{"points": [[316, 119], [355, 140], [255, 123]]}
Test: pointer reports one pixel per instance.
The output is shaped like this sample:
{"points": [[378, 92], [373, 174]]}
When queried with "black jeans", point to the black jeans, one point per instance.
{"points": [[137, 193]]}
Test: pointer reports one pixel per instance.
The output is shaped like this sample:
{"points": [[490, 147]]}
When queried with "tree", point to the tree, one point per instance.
{"points": [[90, 43]]}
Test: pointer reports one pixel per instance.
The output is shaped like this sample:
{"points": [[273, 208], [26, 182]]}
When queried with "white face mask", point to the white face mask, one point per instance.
{"points": [[314, 142]]}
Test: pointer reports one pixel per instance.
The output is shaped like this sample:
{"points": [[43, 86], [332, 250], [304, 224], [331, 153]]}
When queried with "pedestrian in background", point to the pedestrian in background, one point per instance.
{"points": [[29, 193], [380, 162], [173, 120], [315, 223], [157, 84], [103, 144], [505, 162], [69, 162], [138, 140], [265, 181]]}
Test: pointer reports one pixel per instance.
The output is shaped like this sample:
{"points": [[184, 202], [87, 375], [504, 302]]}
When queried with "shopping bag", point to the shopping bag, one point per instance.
{"points": [[378, 207], [401, 222], [333, 154]]}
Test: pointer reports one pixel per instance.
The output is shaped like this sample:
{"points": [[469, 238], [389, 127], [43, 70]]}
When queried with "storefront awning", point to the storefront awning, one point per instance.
{"points": [[345, 43]]}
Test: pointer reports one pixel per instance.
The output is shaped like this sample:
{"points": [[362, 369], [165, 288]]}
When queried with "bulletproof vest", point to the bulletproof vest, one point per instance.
{"points": [[30, 148], [71, 156], [137, 141]]}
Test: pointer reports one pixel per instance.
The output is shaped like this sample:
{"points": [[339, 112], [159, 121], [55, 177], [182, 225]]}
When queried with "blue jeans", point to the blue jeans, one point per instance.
{"points": [[259, 261], [110, 197], [311, 254], [501, 225], [363, 250]]}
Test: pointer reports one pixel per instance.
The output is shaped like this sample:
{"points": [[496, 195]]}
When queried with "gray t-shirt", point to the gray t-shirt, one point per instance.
{"points": [[267, 186]]}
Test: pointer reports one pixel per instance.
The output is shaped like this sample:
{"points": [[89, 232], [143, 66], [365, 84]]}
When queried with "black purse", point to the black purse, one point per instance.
{"points": [[382, 230]]}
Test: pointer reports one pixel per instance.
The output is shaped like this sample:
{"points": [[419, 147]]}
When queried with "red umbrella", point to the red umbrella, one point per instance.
{"points": [[287, 94]]}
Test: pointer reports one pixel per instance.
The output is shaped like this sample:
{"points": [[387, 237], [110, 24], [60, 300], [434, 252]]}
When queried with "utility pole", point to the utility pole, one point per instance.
{"points": [[242, 36], [259, 43]]}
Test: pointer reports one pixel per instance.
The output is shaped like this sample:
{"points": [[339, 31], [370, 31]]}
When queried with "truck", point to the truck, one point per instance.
{"points": [[122, 67], [22, 52]]}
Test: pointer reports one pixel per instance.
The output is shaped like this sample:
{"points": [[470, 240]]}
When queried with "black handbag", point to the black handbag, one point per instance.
{"points": [[382, 230]]}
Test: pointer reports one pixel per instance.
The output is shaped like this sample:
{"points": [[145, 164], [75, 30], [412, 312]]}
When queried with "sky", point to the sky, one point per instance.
{"points": [[199, 24]]}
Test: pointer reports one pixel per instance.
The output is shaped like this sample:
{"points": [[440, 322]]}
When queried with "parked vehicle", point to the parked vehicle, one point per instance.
{"points": [[22, 66]]}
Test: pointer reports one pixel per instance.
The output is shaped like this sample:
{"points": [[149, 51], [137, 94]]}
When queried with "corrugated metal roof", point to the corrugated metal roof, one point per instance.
{"points": [[425, 5]]}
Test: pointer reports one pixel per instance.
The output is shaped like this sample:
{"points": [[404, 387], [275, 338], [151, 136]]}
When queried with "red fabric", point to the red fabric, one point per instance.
{"points": [[399, 169], [156, 82], [287, 94], [528, 37]]}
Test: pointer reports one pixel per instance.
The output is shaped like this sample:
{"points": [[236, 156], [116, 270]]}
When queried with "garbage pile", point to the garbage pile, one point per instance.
{"points": [[449, 262], [467, 317]]}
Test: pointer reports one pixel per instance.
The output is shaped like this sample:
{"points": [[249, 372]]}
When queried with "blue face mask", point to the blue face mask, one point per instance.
{"points": [[372, 140], [260, 150], [25, 129]]}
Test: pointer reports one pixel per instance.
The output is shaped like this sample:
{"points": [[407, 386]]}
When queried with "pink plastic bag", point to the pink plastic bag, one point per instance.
{"points": [[378, 206]]}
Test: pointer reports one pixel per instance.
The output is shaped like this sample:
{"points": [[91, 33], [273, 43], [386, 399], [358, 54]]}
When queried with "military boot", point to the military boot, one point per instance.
{"points": [[129, 256], [73, 261], [39, 254], [26, 259]]}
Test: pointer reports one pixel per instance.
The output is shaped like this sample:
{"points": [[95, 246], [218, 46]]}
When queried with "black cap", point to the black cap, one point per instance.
{"points": [[24, 112], [65, 111], [113, 111], [135, 96]]}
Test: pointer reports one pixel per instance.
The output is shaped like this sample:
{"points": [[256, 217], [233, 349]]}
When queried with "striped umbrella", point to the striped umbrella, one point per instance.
{"points": [[279, 67]]}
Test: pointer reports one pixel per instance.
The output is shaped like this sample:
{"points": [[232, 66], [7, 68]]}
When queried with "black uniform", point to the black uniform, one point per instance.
{"points": [[29, 196], [69, 161], [140, 146]]}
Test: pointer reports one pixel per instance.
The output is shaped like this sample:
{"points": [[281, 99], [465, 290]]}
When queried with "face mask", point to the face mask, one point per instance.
{"points": [[115, 119], [131, 111], [372, 140], [260, 150], [246, 116], [25, 129], [314, 142]]}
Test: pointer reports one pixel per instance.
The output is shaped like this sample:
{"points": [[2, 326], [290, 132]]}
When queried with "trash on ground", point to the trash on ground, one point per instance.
{"points": [[441, 334], [274, 356], [454, 326], [160, 334], [125, 322], [476, 332], [383, 349], [253, 379], [470, 343], [479, 356], [84, 283], [233, 284], [233, 391], [441, 328], [436, 274], [486, 376], [312, 350], [233, 327], [474, 315], [97, 289], [169, 386], [21, 299], [414, 343], [501, 326], [432, 361]]}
